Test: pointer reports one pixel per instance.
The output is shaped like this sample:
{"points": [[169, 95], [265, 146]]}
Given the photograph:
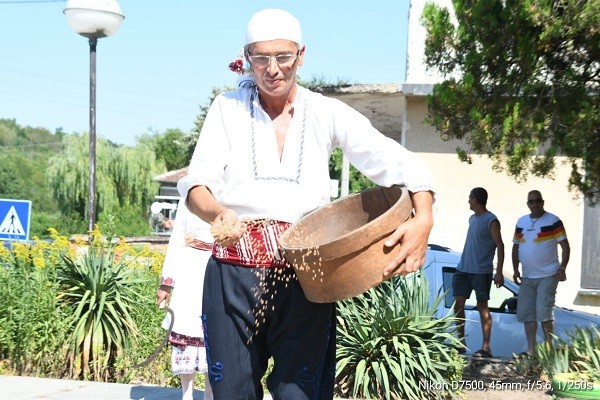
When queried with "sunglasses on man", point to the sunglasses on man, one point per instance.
{"points": [[537, 201]]}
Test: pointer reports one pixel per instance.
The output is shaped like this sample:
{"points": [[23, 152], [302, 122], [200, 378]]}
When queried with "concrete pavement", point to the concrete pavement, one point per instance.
{"points": [[31, 388]]}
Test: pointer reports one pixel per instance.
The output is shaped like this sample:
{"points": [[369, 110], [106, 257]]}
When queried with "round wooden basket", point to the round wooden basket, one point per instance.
{"points": [[337, 250]]}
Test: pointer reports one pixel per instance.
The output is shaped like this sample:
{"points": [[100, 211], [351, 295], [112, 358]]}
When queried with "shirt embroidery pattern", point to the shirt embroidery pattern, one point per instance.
{"points": [[253, 98]]}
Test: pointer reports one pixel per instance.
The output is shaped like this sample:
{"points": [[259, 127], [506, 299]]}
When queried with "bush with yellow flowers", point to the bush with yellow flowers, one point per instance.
{"points": [[80, 308]]}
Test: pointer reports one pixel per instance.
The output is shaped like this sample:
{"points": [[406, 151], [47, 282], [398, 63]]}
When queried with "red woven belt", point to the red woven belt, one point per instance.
{"points": [[200, 245], [257, 248]]}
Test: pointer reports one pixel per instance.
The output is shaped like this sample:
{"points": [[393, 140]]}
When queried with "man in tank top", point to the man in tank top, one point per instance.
{"points": [[475, 271]]}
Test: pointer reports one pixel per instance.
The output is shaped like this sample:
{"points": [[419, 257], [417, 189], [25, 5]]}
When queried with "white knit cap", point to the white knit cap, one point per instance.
{"points": [[272, 24]]}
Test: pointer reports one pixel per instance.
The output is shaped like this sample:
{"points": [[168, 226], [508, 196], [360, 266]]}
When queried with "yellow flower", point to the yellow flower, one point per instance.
{"points": [[21, 252], [4, 252], [39, 262]]}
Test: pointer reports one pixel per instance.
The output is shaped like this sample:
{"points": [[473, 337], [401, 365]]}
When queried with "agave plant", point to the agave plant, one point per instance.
{"points": [[391, 345], [100, 292]]}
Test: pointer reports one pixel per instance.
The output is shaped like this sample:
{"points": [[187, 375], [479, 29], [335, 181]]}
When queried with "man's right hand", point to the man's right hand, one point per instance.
{"points": [[227, 229]]}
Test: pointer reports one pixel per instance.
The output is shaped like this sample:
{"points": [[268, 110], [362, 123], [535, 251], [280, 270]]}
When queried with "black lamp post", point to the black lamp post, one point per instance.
{"points": [[93, 19]]}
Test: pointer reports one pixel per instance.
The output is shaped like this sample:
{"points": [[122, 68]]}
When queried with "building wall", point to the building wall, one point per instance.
{"points": [[590, 258], [415, 65], [507, 199]]}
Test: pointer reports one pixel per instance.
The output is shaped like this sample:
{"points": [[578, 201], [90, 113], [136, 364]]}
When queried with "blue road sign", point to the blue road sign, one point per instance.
{"points": [[15, 216]]}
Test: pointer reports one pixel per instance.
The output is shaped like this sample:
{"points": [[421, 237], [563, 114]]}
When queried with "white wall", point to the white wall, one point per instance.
{"points": [[415, 66]]}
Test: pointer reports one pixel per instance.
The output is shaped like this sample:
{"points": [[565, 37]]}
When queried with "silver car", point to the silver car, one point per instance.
{"points": [[508, 334]]}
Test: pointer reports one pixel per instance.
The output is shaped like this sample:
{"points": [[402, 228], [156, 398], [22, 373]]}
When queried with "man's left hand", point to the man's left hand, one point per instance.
{"points": [[412, 237]]}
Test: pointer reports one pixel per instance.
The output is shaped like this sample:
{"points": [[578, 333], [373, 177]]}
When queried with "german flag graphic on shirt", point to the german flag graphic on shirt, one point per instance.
{"points": [[519, 235], [550, 232], [554, 231]]}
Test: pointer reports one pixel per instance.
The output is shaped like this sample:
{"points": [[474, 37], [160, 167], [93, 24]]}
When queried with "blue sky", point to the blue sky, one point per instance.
{"points": [[162, 64]]}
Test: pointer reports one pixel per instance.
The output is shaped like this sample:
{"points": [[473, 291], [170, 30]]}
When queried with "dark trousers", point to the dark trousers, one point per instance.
{"points": [[253, 314]]}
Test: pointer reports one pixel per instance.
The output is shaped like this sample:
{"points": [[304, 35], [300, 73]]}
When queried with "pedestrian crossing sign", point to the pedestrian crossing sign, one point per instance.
{"points": [[15, 217]]}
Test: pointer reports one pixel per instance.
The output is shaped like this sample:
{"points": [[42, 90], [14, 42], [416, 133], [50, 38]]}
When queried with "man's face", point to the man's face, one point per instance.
{"points": [[472, 201], [535, 202], [272, 77]]}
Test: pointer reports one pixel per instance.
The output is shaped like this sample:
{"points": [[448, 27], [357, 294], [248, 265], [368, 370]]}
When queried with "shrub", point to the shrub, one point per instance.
{"points": [[32, 325], [54, 290], [148, 318], [580, 355], [392, 346]]}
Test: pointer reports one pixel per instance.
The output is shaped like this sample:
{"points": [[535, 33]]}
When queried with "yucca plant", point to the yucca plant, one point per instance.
{"points": [[148, 318], [391, 345], [100, 292]]}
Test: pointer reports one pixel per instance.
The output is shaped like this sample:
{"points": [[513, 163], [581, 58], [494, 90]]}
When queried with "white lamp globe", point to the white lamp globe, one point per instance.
{"points": [[94, 18]]}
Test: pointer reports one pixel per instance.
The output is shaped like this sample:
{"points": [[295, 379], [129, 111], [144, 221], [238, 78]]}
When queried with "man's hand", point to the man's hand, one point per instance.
{"points": [[227, 229], [517, 277], [499, 279], [412, 237]]}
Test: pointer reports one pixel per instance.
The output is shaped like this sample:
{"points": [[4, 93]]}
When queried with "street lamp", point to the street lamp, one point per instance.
{"points": [[93, 19]]}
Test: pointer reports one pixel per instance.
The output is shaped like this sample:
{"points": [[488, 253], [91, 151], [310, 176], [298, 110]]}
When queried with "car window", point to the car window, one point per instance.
{"points": [[501, 299], [447, 274], [497, 301]]}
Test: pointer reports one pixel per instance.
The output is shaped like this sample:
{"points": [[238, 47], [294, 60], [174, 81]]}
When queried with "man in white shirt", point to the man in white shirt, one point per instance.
{"points": [[263, 157], [535, 245]]}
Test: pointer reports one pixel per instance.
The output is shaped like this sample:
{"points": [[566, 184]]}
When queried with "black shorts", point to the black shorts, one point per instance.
{"points": [[465, 282]]}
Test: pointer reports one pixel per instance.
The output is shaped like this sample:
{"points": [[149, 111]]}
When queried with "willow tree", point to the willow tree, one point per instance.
{"points": [[124, 177], [522, 80]]}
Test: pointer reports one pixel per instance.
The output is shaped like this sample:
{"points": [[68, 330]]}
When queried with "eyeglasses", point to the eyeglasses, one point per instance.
{"points": [[538, 201], [262, 61]]}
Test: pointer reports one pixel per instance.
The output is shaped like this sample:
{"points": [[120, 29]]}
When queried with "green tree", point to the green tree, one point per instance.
{"points": [[10, 178], [8, 132], [125, 177], [23, 158], [22, 178], [23, 155], [356, 180], [12, 134], [521, 86], [173, 147]]}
